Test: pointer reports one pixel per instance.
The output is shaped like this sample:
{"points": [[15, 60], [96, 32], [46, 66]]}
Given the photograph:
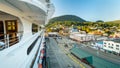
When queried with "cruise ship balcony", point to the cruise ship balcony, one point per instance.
{"points": [[22, 42], [11, 30]]}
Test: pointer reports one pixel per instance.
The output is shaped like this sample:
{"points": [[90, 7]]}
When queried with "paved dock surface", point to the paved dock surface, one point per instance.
{"points": [[58, 59]]}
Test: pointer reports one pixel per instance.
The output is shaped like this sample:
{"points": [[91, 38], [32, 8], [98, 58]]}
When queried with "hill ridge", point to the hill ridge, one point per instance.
{"points": [[67, 18]]}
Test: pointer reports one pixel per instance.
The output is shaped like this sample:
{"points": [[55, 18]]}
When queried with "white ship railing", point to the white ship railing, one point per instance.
{"points": [[26, 52], [7, 40], [33, 53]]}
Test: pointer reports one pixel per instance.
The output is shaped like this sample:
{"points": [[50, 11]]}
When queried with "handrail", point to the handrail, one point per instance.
{"points": [[11, 33], [25, 61], [2, 34], [33, 62], [32, 46], [9, 40]]}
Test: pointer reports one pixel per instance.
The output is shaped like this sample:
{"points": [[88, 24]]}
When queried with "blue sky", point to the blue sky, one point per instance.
{"points": [[90, 10]]}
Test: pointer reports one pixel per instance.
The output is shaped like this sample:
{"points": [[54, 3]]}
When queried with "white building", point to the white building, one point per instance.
{"points": [[20, 31], [112, 45], [81, 37], [53, 34]]}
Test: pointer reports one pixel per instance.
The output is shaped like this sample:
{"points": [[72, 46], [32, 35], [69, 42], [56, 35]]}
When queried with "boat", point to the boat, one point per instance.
{"points": [[22, 32]]}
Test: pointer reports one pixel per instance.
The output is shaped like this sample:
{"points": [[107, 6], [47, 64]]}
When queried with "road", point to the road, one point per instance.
{"points": [[106, 56], [58, 59]]}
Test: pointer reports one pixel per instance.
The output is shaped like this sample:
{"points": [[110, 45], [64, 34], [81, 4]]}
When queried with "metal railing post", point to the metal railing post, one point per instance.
{"points": [[19, 36], [8, 40], [5, 40]]}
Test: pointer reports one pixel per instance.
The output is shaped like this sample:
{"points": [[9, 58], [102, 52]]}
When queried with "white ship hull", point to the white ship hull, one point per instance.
{"points": [[20, 23]]}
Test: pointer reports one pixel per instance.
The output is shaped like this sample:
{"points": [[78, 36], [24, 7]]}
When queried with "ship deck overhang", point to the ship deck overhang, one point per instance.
{"points": [[26, 10]]}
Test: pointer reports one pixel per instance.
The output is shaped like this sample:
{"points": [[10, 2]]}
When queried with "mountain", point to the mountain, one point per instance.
{"points": [[67, 18], [116, 21], [99, 21]]}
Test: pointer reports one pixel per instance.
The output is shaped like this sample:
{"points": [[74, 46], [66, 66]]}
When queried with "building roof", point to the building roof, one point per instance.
{"points": [[116, 40], [97, 62], [79, 53], [100, 42], [83, 35], [55, 33]]}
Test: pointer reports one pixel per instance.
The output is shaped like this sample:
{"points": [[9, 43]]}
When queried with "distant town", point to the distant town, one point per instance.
{"points": [[104, 37], [108, 33]]}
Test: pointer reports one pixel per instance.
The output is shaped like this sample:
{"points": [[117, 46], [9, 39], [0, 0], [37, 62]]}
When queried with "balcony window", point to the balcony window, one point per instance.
{"points": [[117, 48], [117, 45]]}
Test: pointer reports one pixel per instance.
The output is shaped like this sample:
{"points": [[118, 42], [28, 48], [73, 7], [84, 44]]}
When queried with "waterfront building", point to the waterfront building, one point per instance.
{"points": [[112, 45], [52, 34], [21, 35], [82, 37]]}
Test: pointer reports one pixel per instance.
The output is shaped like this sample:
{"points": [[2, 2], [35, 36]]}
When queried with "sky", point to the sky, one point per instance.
{"points": [[89, 10]]}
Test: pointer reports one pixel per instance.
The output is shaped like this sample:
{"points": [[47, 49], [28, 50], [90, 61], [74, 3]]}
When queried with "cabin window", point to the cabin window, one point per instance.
{"points": [[39, 28], [11, 26], [1, 30], [34, 28]]}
